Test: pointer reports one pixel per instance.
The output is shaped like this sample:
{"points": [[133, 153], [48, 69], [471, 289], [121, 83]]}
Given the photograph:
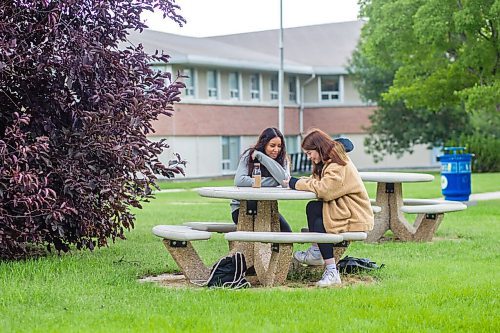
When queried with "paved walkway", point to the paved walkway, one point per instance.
{"points": [[475, 197], [484, 196]]}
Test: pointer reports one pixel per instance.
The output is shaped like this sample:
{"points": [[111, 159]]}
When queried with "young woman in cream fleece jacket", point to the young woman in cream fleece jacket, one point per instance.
{"points": [[343, 203]]}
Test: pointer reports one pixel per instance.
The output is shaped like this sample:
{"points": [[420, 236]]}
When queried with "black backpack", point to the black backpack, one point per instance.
{"points": [[351, 265], [229, 272]]}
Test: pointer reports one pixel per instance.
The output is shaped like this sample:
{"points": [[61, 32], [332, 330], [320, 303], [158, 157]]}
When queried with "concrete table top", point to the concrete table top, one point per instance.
{"points": [[250, 193], [395, 177]]}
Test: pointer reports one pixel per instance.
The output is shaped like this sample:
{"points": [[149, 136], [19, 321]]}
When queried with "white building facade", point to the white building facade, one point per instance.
{"points": [[231, 95]]}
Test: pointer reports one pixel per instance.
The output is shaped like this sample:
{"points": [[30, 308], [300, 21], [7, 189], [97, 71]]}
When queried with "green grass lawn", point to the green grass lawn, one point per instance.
{"points": [[448, 285]]}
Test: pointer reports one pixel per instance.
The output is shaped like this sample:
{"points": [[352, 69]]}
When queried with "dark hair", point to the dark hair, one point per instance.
{"points": [[327, 148], [267, 135]]}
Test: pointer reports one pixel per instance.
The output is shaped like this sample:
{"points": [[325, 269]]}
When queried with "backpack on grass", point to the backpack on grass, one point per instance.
{"points": [[229, 272], [351, 265]]}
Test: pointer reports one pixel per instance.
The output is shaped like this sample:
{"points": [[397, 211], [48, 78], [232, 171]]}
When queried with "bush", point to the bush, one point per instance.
{"points": [[74, 114], [486, 150]]}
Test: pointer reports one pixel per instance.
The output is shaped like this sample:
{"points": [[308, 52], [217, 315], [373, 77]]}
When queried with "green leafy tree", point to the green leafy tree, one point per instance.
{"points": [[432, 68]]}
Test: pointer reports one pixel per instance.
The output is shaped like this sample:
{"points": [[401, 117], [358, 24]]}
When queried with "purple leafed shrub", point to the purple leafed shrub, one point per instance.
{"points": [[75, 109]]}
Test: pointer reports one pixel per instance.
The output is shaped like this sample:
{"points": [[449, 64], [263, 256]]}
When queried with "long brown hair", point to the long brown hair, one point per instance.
{"points": [[267, 135], [328, 149]]}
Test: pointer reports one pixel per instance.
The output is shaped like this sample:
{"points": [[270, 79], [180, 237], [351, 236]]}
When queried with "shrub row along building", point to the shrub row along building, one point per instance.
{"points": [[231, 94]]}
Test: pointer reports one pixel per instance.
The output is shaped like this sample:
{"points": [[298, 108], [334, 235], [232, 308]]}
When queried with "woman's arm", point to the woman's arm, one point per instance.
{"points": [[242, 179], [278, 172]]}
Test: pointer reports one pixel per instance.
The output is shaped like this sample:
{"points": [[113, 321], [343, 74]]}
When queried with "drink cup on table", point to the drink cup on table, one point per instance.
{"points": [[256, 175]]}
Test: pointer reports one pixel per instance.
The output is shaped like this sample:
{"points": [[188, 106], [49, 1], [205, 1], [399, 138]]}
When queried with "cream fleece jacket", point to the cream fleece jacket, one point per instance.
{"points": [[346, 205]]}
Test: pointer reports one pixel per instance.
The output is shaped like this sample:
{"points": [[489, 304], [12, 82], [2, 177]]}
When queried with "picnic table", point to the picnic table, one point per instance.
{"points": [[258, 213], [390, 198]]}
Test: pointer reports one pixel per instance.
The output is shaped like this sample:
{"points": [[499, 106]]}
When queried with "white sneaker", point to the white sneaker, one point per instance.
{"points": [[309, 257], [330, 278]]}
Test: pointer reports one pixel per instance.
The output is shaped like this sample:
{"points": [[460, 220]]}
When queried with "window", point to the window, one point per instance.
{"points": [[212, 84], [330, 88], [189, 81], [234, 85], [255, 87], [292, 144], [230, 152], [292, 89], [274, 87]]}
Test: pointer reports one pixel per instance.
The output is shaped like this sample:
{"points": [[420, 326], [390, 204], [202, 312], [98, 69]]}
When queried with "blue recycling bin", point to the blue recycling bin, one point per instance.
{"points": [[455, 173]]}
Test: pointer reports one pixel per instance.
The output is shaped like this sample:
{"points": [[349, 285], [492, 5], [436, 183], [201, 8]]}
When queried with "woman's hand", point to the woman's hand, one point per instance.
{"points": [[285, 182]]}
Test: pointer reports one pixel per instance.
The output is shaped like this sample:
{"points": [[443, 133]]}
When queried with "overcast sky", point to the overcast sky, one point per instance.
{"points": [[222, 17]]}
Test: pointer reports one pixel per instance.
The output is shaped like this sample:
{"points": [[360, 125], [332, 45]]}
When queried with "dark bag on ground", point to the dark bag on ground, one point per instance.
{"points": [[351, 265], [229, 272]]}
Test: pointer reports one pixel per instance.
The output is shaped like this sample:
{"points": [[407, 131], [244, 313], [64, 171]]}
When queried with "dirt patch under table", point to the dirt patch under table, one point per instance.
{"points": [[180, 281]]}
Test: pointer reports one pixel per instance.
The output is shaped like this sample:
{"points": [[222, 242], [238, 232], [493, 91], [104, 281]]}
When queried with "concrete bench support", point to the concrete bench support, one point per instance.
{"points": [[273, 271], [430, 214], [177, 239], [429, 217], [267, 220]]}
